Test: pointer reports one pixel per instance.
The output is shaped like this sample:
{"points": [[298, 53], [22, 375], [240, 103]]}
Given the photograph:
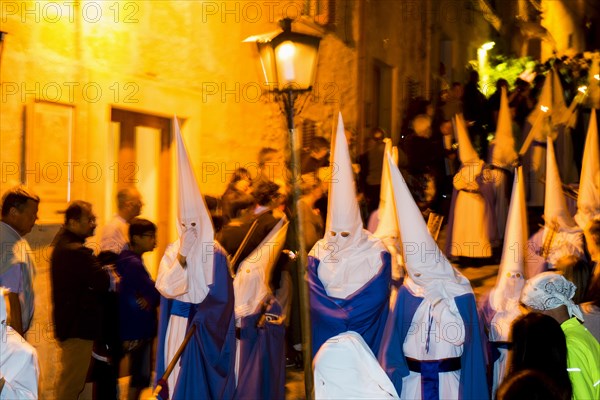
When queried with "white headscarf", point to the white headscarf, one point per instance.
{"points": [[349, 255], [549, 290]]}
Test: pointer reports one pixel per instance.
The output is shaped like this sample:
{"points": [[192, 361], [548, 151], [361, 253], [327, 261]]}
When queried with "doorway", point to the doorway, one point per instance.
{"points": [[142, 156]]}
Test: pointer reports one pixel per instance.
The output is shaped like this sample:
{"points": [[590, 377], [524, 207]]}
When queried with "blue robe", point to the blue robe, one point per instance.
{"points": [[473, 379], [262, 357], [208, 361], [364, 312]]}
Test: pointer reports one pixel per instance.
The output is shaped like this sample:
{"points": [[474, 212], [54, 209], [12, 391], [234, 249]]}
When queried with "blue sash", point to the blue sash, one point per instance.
{"points": [[430, 370], [181, 308]]}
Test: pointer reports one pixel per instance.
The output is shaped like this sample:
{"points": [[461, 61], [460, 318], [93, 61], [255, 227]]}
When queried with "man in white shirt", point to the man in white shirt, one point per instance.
{"points": [[19, 213], [114, 234]]}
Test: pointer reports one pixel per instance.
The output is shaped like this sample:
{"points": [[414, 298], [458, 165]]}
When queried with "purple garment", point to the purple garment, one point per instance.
{"points": [[364, 312], [135, 322], [208, 361], [12, 279], [262, 357]]}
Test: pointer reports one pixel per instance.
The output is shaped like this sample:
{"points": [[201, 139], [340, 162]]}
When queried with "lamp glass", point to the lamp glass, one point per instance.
{"points": [[296, 64], [267, 63], [288, 61]]}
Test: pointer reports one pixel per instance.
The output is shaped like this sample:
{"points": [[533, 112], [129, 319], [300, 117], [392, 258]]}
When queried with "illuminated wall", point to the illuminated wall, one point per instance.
{"points": [[163, 58]]}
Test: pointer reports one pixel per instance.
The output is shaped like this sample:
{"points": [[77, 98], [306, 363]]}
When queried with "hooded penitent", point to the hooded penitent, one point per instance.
{"points": [[191, 209], [561, 235], [387, 228], [503, 153], [433, 297], [588, 200], [349, 256], [425, 263], [555, 205], [251, 283], [503, 156], [472, 221], [345, 367], [504, 297], [466, 152], [545, 100]]}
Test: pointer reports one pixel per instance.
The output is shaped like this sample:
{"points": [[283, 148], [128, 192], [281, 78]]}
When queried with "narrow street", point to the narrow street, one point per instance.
{"points": [[41, 334]]}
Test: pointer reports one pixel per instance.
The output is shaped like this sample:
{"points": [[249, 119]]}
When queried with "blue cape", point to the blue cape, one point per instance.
{"points": [[473, 379], [262, 357], [208, 361], [364, 312]]}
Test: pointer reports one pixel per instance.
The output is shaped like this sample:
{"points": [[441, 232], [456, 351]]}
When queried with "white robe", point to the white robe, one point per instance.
{"points": [[345, 368], [446, 340], [189, 285], [470, 236]]}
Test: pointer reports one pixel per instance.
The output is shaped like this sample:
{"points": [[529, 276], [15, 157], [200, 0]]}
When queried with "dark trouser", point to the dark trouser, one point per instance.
{"points": [[140, 367], [105, 377]]}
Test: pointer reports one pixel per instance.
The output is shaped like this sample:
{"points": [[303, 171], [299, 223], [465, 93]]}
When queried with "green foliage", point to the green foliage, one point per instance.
{"points": [[500, 66]]}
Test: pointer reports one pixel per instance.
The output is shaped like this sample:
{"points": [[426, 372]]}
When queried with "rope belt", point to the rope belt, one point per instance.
{"points": [[430, 370], [539, 144]]}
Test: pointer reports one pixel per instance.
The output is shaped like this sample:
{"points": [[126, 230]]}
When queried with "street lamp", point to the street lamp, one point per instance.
{"points": [[288, 62]]}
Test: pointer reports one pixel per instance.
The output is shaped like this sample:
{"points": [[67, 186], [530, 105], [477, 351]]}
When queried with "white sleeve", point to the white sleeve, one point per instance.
{"points": [[24, 382], [172, 279], [112, 239]]}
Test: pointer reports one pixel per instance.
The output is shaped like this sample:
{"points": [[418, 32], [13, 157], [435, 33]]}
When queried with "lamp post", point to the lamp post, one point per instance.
{"points": [[288, 62], [2, 34]]}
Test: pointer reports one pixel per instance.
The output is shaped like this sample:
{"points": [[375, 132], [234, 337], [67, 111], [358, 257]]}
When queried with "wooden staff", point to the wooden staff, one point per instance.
{"points": [[174, 361], [242, 247]]}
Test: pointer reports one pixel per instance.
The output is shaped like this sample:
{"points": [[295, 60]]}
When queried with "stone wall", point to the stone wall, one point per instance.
{"points": [[161, 58]]}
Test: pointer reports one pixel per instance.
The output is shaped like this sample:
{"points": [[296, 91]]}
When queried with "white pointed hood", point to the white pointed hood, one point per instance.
{"points": [[504, 297], [503, 153], [545, 99], [191, 208], [349, 256], [466, 152], [387, 227], [251, 283], [555, 205], [559, 106], [343, 213], [588, 200], [425, 262]]}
